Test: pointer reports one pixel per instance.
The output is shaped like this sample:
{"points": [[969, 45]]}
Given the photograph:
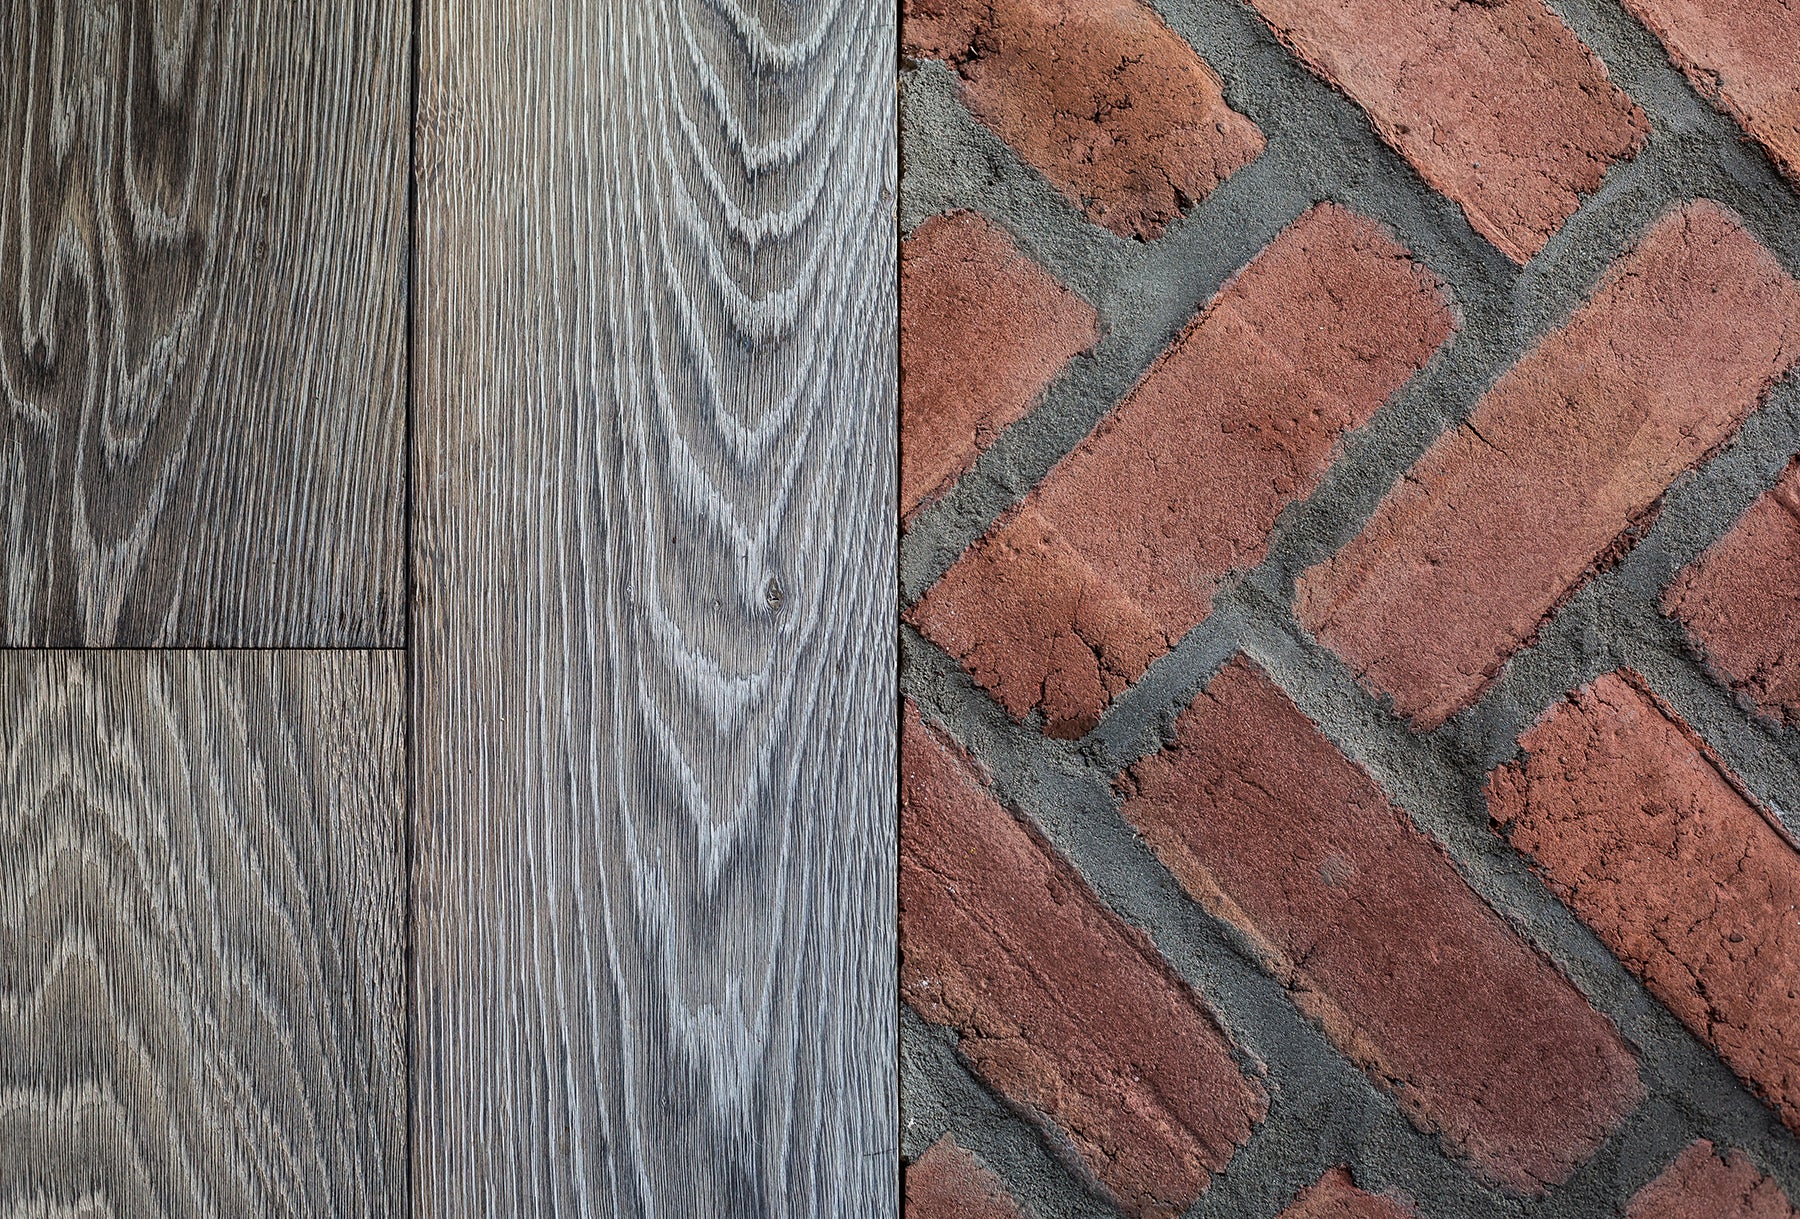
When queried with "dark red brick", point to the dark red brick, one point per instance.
{"points": [[948, 1182], [1701, 1184], [1632, 823], [983, 330], [1377, 937], [1745, 56], [1118, 554], [1099, 96], [1509, 513], [1335, 1196], [1741, 601], [1496, 103], [1060, 1005]]}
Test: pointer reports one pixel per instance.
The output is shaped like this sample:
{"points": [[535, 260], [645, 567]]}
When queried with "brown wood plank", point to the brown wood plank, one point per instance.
{"points": [[202, 322], [654, 626], [202, 935]]}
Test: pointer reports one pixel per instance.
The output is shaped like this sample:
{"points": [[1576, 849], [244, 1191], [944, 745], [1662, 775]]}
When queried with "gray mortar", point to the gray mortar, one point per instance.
{"points": [[1320, 146]]}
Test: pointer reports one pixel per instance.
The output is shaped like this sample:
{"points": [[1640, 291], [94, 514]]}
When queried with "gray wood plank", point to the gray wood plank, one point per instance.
{"points": [[654, 626], [202, 322], [202, 934]]}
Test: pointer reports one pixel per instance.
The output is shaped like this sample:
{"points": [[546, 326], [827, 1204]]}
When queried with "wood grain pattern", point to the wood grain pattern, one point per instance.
{"points": [[202, 321], [202, 933], [654, 629]]}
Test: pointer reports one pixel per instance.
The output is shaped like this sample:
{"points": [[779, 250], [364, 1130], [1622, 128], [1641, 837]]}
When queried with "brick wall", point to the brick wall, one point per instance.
{"points": [[1351, 601]]}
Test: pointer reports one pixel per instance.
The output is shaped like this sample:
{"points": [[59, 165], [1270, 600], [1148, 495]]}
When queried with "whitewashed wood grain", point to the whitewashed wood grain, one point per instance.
{"points": [[202, 321], [654, 627], [202, 932]]}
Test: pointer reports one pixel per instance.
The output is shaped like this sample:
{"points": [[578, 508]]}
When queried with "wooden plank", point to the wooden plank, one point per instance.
{"points": [[202, 364], [202, 934], [654, 628]]}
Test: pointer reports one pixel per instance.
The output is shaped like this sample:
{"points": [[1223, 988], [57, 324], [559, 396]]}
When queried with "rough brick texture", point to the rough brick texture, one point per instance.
{"points": [[1059, 1005], [982, 331], [1335, 1196], [1377, 937], [1701, 1184], [1495, 103], [1632, 823], [1119, 552], [1741, 601], [1099, 96], [948, 1182], [1507, 514], [1745, 56]]}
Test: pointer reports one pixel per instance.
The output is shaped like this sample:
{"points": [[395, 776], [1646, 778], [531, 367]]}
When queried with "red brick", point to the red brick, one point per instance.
{"points": [[1335, 1196], [1635, 826], [1099, 96], [1496, 103], [982, 331], [1060, 1005], [1118, 554], [1377, 937], [1701, 1184], [1741, 601], [1745, 56], [950, 1183], [1565, 457]]}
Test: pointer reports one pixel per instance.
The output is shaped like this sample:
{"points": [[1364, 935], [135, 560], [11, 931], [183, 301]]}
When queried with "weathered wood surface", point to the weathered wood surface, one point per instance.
{"points": [[202, 321], [202, 934], [654, 627]]}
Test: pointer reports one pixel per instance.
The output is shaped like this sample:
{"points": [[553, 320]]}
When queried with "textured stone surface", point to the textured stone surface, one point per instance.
{"points": [[983, 330], [1496, 103], [1099, 96], [1508, 513], [1636, 827], [1741, 601], [1745, 56], [1377, 937], [1335, 1196], [948, 1182], [1702, 1184], [1059, 1005], [1118, 553]]}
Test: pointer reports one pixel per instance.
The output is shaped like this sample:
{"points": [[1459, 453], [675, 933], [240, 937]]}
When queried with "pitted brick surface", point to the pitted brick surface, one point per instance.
{"points": [[948, 1182], [1099, 96], [1335, 1196], [1702, 1184], [1633, 824]]}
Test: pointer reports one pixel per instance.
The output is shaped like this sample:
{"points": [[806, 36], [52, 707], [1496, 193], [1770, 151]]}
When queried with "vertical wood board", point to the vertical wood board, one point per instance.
{"points": [[655, 610]]}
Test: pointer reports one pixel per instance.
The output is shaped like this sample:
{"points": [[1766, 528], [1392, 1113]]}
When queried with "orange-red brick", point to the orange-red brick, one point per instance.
{"points": [[983, 330], [1335, 1196], [1741, 601], [1378, 938], [1497, 104], [1060, 1005], [1636, 827], [1118, 554], [948, 1182], [1099, 96], [1701, 1184], [1507, 514], [1744, 55]]}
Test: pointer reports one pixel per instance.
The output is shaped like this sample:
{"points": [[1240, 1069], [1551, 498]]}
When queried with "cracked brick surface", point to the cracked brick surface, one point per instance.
{"points": [[1741, 601], [1497, 104], [1633, 823], [982, 331], [1335, 1196], [1703, 1183], [1058, 1003], [948, 1182], [1375, 935], [1745, 57], [1559, 466], [1099, 96], [1120, 551]]}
